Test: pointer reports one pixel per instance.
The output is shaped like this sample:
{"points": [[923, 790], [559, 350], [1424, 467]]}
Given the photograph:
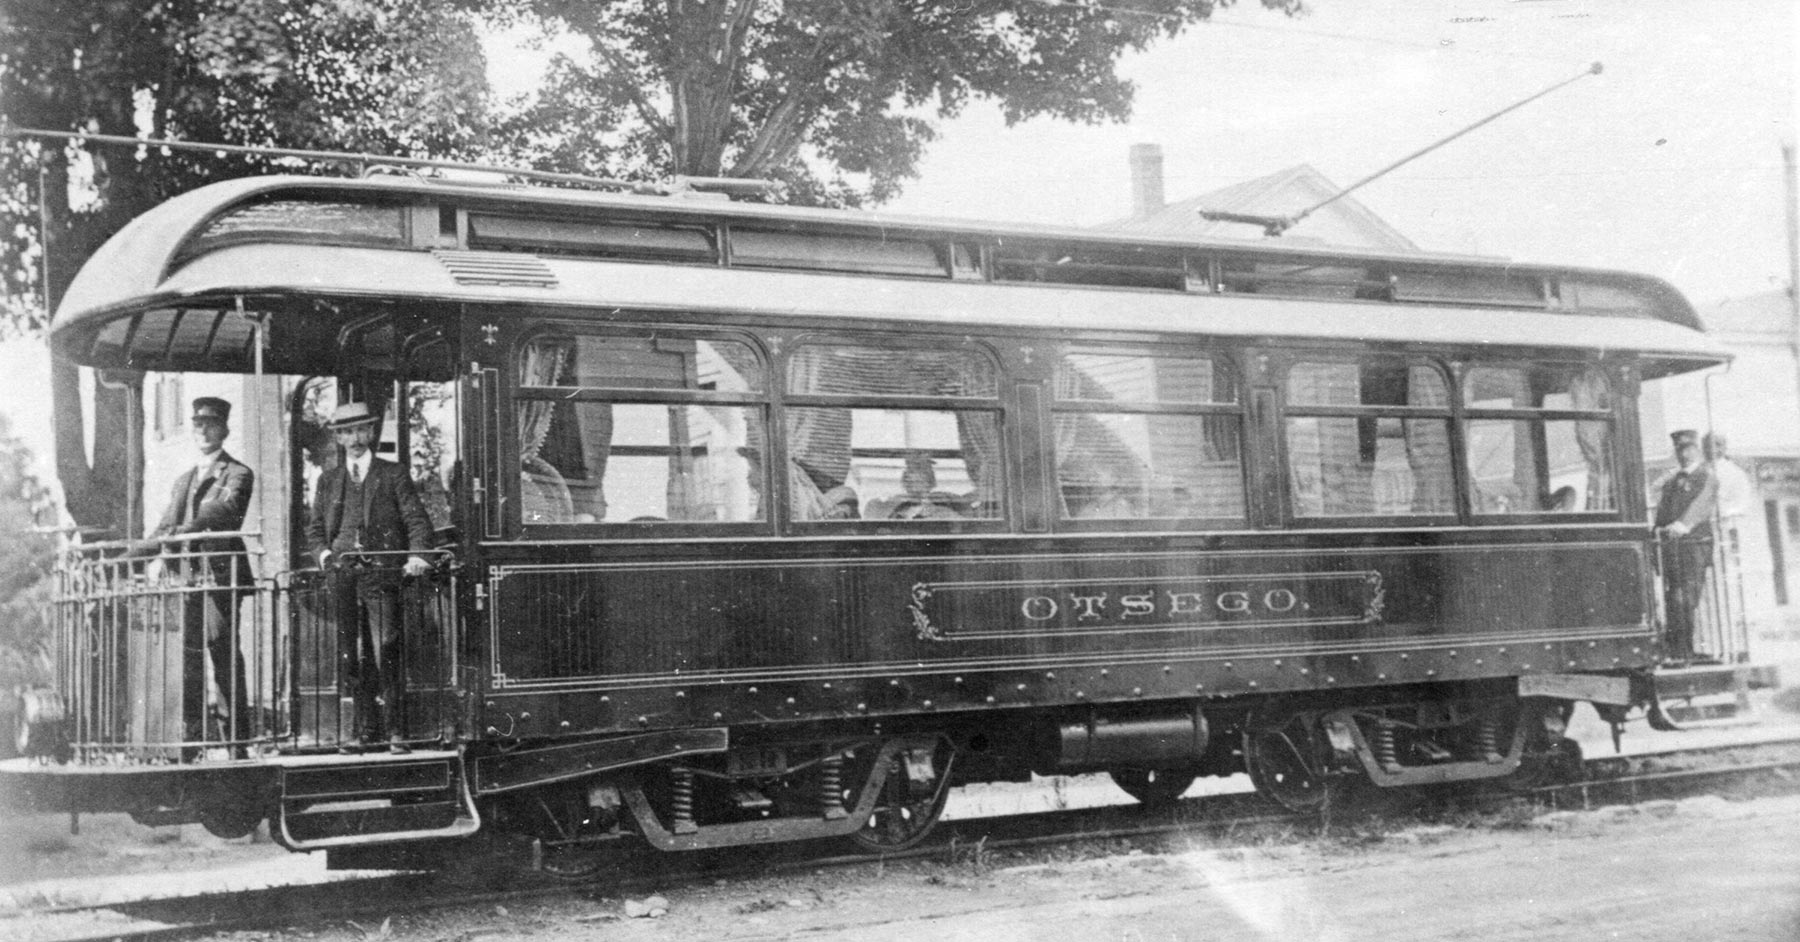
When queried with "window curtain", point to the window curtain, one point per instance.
{"points": [[1222, 442], [819, 437], [544, 496], [980, 438], [1428, 443], [1526, 480], [545, 360], [1347, 483], [978, 433], [1588, 390]]}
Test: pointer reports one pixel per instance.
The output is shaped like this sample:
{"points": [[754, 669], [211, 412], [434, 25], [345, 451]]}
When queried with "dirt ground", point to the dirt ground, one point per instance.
{"points": [[1691, 871], [1697, 870]]}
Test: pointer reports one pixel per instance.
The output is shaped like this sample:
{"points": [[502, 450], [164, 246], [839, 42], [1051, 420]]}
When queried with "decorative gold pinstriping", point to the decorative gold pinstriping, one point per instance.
{"points": [[568, 576]]}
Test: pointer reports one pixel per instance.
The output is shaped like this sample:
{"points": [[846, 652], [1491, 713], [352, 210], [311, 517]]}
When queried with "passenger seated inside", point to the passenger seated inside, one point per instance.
{"points": [[918, 501], [1106, 498], [1562, 500], [839, 503]]}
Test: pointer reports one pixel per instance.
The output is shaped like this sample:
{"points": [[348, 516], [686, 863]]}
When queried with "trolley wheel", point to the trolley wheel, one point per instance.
{"points": [[1286, 754], [1153, 788], [1552, 764], [577, 863], [902, 818], [230, 822]]}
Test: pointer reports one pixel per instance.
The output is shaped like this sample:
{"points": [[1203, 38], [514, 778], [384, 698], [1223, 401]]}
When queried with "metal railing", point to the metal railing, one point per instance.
{"points": [[175, 651], [1722, 629], [329, 649], [1720, 625]]}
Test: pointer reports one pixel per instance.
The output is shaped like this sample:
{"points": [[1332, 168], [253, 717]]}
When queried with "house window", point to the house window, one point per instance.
{"points": [[169, 420]]}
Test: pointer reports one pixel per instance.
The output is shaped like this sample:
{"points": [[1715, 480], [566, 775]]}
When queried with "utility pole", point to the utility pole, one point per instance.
{"points": [[1791, 188]]}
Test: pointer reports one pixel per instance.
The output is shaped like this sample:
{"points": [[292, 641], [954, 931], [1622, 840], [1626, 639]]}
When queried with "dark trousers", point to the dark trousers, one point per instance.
{"points": [[1685, 565], [209, 627], [366, 603]]}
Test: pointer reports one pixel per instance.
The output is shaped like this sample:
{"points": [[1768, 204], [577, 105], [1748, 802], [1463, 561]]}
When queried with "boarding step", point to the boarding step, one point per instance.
{"points": [[1699, 680], [375, 799], [1708, 695], [1712, 713]]}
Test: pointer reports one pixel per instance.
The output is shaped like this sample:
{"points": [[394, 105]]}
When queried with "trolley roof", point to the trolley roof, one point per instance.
{"points": [[307, 256]]}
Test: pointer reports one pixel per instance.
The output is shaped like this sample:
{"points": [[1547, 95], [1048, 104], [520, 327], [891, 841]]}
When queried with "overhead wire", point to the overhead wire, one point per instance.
{"points": [[1442, 45]]}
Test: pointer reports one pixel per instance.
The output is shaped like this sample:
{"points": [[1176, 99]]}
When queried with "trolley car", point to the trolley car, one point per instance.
{"points": [[762, 524]]}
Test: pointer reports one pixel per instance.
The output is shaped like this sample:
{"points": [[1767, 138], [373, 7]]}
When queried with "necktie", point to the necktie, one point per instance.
{"points": [[356, 473]]}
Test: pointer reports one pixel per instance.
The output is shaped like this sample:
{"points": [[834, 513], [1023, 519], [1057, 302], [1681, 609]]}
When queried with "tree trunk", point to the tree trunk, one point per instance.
{"points": [[102, 493]]}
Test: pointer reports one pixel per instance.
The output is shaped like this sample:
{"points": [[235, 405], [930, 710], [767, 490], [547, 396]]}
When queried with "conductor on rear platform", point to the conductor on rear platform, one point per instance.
{"points": [[1684, 522], [211, 496], [365, 517]]}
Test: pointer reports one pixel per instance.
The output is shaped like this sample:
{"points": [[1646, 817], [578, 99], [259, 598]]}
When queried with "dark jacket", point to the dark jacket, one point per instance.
{"points": [[1691, 497], [393, 517], [217, 502]]}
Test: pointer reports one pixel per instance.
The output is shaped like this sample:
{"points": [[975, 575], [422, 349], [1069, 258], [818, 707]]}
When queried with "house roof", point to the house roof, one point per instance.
{"points": [[1282, 192], [1768, 312]]}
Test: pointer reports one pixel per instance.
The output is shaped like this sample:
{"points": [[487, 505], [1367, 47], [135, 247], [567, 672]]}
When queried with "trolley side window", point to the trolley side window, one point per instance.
{"points": [[639, 428], [1368, 439], [1539, 439], [1147, 438], [893, 433]]}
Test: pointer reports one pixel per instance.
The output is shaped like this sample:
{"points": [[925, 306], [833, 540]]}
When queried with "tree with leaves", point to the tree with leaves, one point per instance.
{"points": [[834, 97], [25, 584], [383, 76]]}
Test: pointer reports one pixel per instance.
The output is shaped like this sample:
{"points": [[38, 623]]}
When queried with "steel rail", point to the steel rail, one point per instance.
{"points": [[415, 892]]}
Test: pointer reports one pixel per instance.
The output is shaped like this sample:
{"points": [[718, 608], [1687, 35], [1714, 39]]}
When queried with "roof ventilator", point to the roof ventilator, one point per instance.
{"points": [[511, 269]]}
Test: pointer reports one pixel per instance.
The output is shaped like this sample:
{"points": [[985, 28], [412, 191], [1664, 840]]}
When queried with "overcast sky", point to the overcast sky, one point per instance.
{"points": [[1668, 163]]}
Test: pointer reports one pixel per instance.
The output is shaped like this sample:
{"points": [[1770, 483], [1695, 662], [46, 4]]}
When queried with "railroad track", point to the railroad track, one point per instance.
{"points": [[366, 902]]}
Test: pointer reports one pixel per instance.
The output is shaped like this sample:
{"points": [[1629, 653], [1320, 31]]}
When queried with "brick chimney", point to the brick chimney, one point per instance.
{"points": [[1146, 180]]}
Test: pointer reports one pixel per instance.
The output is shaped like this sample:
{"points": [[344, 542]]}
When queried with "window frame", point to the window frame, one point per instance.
{"points": [[1539, 417], [995, 405], [1055, 406], [519, 393], [1448, 414]]}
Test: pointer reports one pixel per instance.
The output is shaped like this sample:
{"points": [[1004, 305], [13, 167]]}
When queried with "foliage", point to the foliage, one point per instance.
{"points": [[381, 76], [25, 560], [430, 410], [831, 96]]}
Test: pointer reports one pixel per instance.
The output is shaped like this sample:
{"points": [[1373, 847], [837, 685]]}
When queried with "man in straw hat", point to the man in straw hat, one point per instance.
{"points": [[365, 519], [212, 496], [1684, 520]]}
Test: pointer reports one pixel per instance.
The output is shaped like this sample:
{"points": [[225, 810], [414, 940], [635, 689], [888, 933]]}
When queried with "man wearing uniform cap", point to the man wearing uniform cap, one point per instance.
{"points": [[211, 496], [1684, 521], [365, 519]]}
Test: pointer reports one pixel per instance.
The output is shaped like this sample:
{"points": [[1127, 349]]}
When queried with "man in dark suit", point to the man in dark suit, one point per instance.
{"points": [[212, 496], [1685, 506], [365, 518]]}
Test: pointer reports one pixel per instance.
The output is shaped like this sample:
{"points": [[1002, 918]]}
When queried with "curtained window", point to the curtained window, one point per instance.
{"points": [[893, 433], [1368, 438], [1539, 440], [639, 428], [1147, 438]]}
